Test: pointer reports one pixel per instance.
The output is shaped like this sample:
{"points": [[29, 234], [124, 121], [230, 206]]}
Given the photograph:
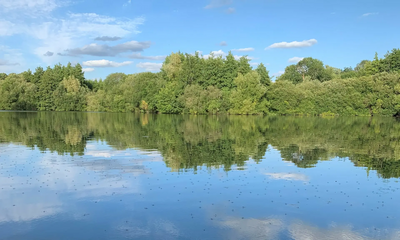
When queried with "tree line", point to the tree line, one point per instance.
{"points": [[191, 83]]}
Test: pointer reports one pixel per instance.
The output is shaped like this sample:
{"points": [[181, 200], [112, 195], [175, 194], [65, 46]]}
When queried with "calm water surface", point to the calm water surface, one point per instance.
{"points": [[126, 176]]}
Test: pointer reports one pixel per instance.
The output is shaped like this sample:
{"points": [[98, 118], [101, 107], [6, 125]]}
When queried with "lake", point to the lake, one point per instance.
{"points": [[131, 176]]}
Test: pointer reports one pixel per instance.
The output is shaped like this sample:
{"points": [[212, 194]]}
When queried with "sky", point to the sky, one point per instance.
{"points": [[132, 36]]}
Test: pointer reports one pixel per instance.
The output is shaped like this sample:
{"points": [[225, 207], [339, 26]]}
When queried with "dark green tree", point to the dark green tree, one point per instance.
{"points": [[313, 68], [291, 74], [264, 75], [244, 65], [3, 76]]}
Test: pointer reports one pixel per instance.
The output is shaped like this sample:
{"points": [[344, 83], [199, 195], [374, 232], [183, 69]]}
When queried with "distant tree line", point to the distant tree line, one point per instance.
{"points": [[214, 85]]}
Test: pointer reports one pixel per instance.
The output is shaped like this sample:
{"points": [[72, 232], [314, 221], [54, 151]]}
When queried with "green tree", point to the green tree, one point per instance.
{"points": [[313, 68], [172, 66], [16, 93], [375, 66], [168, 98], [214, 73], [264, 75], [70, 95], [391, 61], [142, 87], [361, 65], [230, 71], [291, 74], [46, 85], [194, 99], [247, 95], [192, 69], [244, 65], [214, 99], [3, 76]]}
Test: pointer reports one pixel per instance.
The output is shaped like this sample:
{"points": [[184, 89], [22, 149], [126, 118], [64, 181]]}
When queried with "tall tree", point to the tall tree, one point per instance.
{"points": [[3, 76], [168, 98], [248, 94], [264, 75], [230, 70], [16, 93], [46, 86], [70, 95], [313, 68], [392, 61], [191, 69], [172, 66], [244, 65], [291, 74]]}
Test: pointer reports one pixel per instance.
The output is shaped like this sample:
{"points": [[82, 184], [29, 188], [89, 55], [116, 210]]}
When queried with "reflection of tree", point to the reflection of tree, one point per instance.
{"points": [[188, 141], [386, 168], [304, 158], [61, 132]]}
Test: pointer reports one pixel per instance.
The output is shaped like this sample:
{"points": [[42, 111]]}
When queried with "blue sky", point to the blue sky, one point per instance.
{"points": [[133, 36]]}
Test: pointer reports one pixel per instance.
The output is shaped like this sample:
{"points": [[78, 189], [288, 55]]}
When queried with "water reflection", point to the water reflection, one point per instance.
{"points": [[125, 176], [187, 142]]}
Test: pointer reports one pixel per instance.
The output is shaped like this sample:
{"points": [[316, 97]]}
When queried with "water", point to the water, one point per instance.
{"points": [[127, 176]]}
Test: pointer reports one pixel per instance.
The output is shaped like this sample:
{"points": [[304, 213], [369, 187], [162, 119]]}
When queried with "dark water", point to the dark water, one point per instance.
{"points": [[126, 176]]}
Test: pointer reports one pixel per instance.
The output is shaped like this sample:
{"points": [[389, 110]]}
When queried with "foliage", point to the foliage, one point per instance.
{"points": [[3, 76], [308, 67], [196, 84], [247, 95], [168, 98], [70, 95], [264, 75], [16, 93]]}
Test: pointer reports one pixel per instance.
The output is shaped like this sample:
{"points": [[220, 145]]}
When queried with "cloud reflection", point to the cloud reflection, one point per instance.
{"points": [[274, 228], [36, 185], [288, 176]]}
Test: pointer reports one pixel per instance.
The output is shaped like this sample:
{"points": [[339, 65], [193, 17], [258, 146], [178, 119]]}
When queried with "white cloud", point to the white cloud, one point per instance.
{"points": [[254, 64], [218, 3], [127, 3], [57, 35], [11, 60], [105, 63], [107, 38], [278, 73], [48, 54], [49, 32], [148, 66], [215, 53], [7, 63], [288, 176], [243, 50], [8, 28], [95, 49], [295, 44], [295, 59], [223, 43], [219, 53], [237, 57], [139, 56], [230, 10], [29, 6], [88, 69], [369, 14]]}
